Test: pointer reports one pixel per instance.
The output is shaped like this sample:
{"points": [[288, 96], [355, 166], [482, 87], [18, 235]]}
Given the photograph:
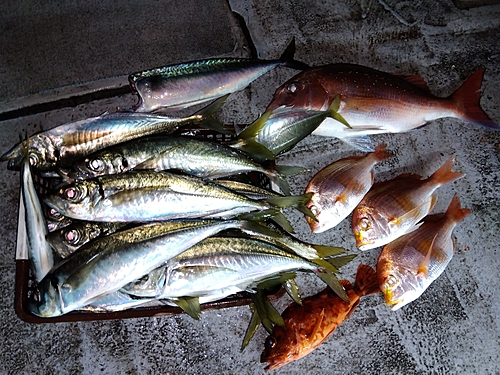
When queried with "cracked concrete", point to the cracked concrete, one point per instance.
{"points": [[454, 328]]}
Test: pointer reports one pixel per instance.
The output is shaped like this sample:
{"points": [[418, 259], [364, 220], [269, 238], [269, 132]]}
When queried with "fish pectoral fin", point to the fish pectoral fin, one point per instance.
{"points": [[292, 289], [423, 269], [409, 215], [362, 143], [318, 325], [152, 161]]}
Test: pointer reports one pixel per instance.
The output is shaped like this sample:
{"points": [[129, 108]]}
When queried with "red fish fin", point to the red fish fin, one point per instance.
{"points": [[317, 326], [423, 269], [444, 174], [381, 152], [341, 198], [455, 211], [366, 280], [415, 81], [413, 213], [467, 98]]}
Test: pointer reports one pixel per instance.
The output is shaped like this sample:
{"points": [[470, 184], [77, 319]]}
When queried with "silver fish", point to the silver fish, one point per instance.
{"points": [[196, 157], [227, 265], [39, 250], [106, 264], [153, 196], [182, 85], [66, 143], [281, 129]]}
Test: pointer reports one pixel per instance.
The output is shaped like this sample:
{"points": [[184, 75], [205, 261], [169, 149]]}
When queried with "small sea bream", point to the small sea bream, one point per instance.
{"points": [[339, 187], [407, 266], [395, 207], [308, 325]]}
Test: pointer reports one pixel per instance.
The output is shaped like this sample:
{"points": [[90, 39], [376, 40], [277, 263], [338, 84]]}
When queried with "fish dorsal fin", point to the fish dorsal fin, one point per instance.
{"points": [[423, 269], [415, 81]]}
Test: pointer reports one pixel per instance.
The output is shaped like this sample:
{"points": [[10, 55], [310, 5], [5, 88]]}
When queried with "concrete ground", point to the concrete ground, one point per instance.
{"points": [[59, 50]]}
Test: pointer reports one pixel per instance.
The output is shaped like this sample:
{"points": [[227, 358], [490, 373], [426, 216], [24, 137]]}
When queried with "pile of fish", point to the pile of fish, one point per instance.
{"points": [[138, 216]]}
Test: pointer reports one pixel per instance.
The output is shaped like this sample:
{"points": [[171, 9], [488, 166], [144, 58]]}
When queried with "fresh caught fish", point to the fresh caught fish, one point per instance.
{"points": [[153, 196], [228, 265], [182, 85], [65, 143], [196, 157], [393, 208], [54, 219], [40, 252], [339, 187], [106, 264], [308, 325], [150, 285], [374, 102], [281, 129], [69, 239], [407, 266]]}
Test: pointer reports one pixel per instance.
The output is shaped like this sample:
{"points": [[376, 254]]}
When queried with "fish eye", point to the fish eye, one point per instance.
{"points": [[73, 194], [314, 210], [33, 159], [96, 165], [72, 236], [365, 224], [270, 342], [291, 88], [54, 214], [391, 281]]}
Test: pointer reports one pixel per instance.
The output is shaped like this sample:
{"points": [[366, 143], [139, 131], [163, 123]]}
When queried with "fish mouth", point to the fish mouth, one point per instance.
{"points": [[395, 304]]}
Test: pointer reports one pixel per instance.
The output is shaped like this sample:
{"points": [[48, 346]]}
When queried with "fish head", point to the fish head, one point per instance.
{"points": [[303, 94], [152, 93], [67, 240], [45, 301], [399, 285], [99, 164], [280, 348], [322, 220], [76, 201], [369, 227], [42, 153]]}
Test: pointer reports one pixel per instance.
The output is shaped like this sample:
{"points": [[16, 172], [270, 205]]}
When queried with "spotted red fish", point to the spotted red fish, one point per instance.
{"points": [[310, 324]]}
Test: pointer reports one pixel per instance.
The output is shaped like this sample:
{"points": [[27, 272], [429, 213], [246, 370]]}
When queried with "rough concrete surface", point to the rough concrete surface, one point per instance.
{"points": [[454, 328]]}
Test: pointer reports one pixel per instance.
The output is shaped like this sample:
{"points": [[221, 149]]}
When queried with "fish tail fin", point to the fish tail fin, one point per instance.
{"points": [[278, 173], [381, 152], [288, 60], [297, 201], [444, 175], [333, 111], [467, 98], [366, 280], [247, 143], [455, 210], [273, 214], [209, 122]]}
